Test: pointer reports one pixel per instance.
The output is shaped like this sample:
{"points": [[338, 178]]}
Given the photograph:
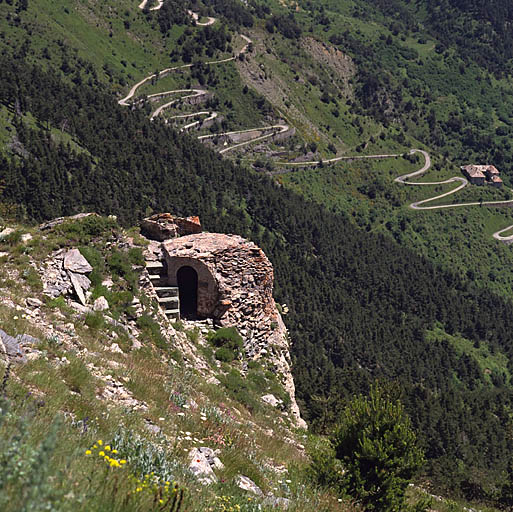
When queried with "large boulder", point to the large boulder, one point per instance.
{"points": [[199, 465]]}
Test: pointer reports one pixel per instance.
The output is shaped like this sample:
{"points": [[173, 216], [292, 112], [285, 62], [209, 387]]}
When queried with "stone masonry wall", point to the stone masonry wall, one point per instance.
{"points": [[235, 287]]}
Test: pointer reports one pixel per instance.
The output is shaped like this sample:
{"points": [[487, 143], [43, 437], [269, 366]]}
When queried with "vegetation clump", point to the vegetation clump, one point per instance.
{"points": [[373, 454], [229, 343]]}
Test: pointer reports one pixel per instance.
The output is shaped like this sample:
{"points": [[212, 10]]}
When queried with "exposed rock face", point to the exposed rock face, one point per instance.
{"points": [[235, 288], [64, 272], [164, 226], [60, 220]]}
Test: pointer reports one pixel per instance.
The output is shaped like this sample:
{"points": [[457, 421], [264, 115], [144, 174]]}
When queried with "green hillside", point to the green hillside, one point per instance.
{"points": [[376, 290]]}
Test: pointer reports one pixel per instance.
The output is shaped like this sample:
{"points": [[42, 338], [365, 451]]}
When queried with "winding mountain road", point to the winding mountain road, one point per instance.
{"points": [[197, 93], [463, 183], [195, 17], [281, 128], [142, 5]]}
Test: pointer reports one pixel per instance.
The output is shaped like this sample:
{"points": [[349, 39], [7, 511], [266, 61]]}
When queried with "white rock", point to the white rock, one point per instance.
{"points": [[4, 254], [75, 262], [216, 463], [275, 502], [6, 232], [198, 464], [26, 237], [136, 344], [212, 380], [32, 356], [84, 281], [115, 348], [78, 289], [101, 304], [247, 484], [33, 302], [271, 400], [108, 283]]}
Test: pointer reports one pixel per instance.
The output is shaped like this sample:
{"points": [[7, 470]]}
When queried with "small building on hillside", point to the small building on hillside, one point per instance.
{"points": [[496, 181], [474, 174], [491, 172], [481, 174]]}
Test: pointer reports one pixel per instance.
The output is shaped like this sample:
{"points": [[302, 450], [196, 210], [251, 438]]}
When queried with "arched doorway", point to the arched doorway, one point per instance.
{"points": [[187, 280]]}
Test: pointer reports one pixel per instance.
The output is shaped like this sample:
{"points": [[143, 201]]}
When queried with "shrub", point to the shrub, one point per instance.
{"points": [[77, 376], [225, 354], [193, 335], [151, 329], [94, 320], [227, 337], [84, 230], [32, 278], [377, 446], [239, 389]]}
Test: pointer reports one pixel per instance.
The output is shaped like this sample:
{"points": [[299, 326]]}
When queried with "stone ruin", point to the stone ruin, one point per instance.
{"points": [[164, 226], [224, 278]]}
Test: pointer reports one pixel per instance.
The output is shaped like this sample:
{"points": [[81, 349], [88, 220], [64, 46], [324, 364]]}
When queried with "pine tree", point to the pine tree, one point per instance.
{"points": [[377, 447]]}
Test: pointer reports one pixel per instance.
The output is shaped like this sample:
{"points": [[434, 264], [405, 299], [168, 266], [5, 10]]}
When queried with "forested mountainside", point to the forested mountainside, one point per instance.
{"points": [[363, 305]]}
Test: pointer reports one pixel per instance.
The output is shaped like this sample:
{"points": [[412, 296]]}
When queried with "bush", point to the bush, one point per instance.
{"points": [[227, 337], [94, 320], [84, 230], [239, 390], [151, 329], [225, 354], [377, 446]]}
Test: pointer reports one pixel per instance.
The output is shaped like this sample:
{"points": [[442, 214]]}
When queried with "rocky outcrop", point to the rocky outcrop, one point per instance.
{"points": [[60, 220], [164, 226], [64, 273]]}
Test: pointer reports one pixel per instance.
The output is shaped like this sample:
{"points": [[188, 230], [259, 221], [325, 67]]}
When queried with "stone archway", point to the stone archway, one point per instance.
{"points": [[187, 281], [207, 294]]}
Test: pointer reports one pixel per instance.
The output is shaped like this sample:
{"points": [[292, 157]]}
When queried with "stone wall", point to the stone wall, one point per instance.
{"points": [[235, 288], [164, 226]]}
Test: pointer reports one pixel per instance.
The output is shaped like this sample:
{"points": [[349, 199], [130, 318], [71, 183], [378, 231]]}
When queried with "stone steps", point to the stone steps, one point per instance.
{"points": [[167, 296], [173, 314], [156, 268], [167, 302], [166, 291]]}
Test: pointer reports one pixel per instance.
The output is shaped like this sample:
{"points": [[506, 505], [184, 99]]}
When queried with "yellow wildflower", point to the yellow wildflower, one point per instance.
{"points": [[101, 454], [100, 442], [88, 452], [107, 448], [139, 489], [122, 461], [114, 451]]}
